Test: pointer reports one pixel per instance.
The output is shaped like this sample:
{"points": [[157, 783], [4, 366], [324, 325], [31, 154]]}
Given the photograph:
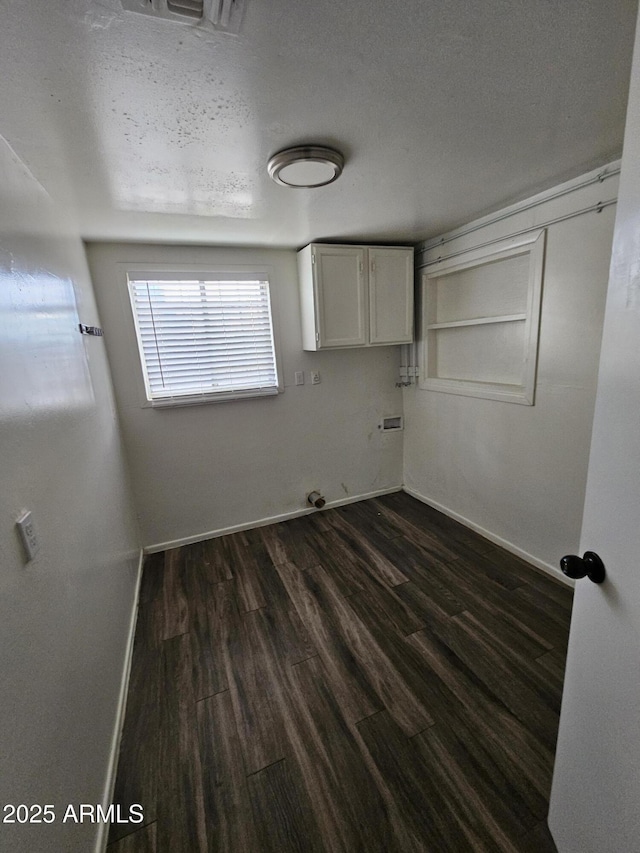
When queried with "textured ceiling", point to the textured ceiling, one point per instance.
{"points": [[151, 130]]}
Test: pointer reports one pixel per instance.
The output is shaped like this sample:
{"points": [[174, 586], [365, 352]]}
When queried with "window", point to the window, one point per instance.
{"points": [[203, 337], [480, 323]]}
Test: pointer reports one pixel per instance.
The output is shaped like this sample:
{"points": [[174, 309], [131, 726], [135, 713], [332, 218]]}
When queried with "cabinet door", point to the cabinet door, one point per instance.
{"points": [[340, 296], [390, 295]]}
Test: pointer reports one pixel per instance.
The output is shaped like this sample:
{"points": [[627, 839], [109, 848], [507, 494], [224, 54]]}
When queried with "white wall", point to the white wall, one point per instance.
{"points": [[204, 469], [518, 472], [64, 618]]}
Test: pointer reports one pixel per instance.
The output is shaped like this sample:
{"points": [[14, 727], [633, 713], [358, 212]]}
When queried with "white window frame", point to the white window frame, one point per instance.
{"points": [[159, 271], [523, 393]]}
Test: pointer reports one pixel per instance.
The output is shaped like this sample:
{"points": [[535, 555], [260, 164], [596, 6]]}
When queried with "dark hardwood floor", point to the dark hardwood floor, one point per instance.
{"points": [[370, 678]]}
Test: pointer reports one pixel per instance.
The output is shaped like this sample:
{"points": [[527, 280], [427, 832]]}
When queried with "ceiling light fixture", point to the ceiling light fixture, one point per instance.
{"points": [[306, 166]]}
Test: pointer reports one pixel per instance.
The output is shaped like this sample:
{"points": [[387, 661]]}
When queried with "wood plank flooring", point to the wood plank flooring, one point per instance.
{"points": [[370, 678]]}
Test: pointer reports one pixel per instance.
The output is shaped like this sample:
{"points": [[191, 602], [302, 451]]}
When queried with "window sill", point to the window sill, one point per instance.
{"points": [[204, 400]]}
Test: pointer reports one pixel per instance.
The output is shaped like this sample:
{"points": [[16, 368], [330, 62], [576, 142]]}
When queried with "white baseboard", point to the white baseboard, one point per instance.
{"points": [[263, 522], [112, 767], [547, 568]]}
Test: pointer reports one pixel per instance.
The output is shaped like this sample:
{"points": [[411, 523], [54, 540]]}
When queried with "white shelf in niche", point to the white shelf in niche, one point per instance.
{"points": [[480, 322]]}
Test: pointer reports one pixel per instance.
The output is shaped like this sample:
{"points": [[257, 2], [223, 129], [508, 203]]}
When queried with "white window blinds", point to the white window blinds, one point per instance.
{"points": [[205, 338]]}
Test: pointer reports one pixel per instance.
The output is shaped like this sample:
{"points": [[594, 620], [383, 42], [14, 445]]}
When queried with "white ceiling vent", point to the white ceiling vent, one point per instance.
{"points": [[221, 15]]}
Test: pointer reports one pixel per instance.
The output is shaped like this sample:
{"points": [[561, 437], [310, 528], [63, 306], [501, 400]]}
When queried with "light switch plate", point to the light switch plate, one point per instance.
{"points": [[28, 535]]}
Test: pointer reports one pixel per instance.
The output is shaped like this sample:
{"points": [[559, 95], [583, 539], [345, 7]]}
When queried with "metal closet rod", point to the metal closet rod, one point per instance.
{"points": [[428, 245], [595, 208]]}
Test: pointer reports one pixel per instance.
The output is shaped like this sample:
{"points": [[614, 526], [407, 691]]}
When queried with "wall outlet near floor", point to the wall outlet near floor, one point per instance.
{"points": [[315, 377], [28, 535]]}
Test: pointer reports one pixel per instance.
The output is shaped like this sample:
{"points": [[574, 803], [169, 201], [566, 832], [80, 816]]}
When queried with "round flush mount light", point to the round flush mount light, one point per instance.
{"points": [[306, 166]]}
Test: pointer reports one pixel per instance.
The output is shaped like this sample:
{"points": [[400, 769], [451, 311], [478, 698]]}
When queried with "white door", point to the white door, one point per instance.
{"points": [[390, 295], [595, 799], [340, 293]]}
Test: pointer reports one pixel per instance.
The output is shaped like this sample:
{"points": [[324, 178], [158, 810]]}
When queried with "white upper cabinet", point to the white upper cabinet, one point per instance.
{"points": [[355, 296]]}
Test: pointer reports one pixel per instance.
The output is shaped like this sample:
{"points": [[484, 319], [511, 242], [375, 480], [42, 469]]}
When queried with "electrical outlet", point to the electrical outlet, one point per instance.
{"points": [[299, 374], [315, 377], [28, 535]]}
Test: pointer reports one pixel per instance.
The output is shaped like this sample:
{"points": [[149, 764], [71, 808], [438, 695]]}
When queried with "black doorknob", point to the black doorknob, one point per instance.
{"points": [[590, 566]]}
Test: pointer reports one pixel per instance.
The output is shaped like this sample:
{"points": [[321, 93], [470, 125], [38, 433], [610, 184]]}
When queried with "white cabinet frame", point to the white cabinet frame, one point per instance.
{"points": [[522, 392]]}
